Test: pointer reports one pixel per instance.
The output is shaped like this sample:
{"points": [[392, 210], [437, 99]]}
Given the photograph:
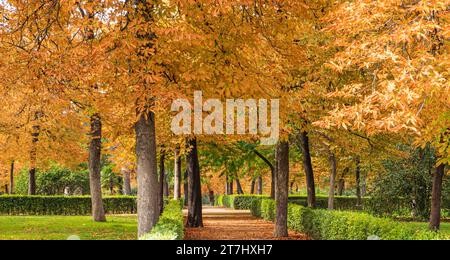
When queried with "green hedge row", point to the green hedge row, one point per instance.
{"points": [[341, 203], [236, 201], [322, 224], [60, 205], [170, 225], [245, 201]]}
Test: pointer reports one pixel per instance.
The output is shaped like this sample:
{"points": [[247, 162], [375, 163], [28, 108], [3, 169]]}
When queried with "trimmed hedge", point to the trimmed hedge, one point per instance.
{"points": [[60, 205], [237, 201], [245, 201], [341, 203], [321, 224], [170, 225]]}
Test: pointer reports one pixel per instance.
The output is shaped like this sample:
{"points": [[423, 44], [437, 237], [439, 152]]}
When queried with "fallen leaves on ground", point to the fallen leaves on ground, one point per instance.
{"points": [[228, 224]]}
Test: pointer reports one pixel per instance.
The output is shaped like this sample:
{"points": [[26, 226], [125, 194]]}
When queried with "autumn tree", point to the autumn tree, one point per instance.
{"points": [[43, 122], [399, 50]]}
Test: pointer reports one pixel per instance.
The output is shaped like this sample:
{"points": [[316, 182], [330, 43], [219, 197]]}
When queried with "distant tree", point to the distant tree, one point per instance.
{"points": [[405, 184], [55, 181]]}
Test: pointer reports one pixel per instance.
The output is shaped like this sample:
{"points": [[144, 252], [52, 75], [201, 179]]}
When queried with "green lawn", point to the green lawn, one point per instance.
{"points": [[117, 228], [61, 228]]}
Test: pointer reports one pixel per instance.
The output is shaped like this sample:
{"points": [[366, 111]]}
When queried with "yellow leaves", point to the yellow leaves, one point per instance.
{"points": [[403, 82], [376, 54], [334, 66]]}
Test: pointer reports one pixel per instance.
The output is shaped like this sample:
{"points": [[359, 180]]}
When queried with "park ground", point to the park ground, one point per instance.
{"points": [[220, 224], [229, 224]]}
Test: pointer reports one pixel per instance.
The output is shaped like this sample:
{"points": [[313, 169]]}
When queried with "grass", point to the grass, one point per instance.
{"points": [[61, 228], [116, 228]]}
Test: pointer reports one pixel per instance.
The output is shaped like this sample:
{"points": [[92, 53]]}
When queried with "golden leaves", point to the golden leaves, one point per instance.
{"points": [[393, 46]]}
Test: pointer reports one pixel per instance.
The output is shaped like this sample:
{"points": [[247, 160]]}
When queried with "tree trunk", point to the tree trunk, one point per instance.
{"points": [[186, 188], [194, 218], [120, 185], [364, 185], [435, 218], [161, 181], [307, 165], [259, 189], [273, 186], [177, 175], [341, 183], [111, 185], [11, 179], [358, 181], [33, 159], [281, 229], [126, 175], [272, 171], [230, 187], [239, 189], [166, 186], [147, 173], [333, 170], [227, 185], [341, 187], [95, 149], [252, 186]]}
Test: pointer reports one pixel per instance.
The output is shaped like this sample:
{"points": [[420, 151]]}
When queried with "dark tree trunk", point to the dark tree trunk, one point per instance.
{"points": [[126, 175], [239, 189], [194, 218], [309, 172], [341, 183], [186, 188], [273, 192], [281, 229], [120, 185], [177, 175], [363, 185], [341, 187], [259, 189], [273, 186], [435, 218], [227, 185], [252, 186], [95, 149], [166, 186], [272, 171], [147, 173], [111, 185], [11, 179], [33, 159], [161, 181], [333, 171], [230, 186], [358, 181]]}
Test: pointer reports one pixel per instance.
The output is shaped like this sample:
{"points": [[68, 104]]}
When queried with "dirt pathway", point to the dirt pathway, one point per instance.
{"points": [[229, 224]]}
